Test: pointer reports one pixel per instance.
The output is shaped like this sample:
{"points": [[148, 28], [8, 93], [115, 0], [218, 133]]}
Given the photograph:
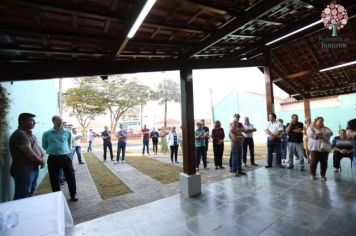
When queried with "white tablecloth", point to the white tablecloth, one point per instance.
{"points": [[46, 214]]}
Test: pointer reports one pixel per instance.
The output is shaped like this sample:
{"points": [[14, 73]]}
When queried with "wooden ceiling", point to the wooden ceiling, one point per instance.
{"points": [[51, 38]]}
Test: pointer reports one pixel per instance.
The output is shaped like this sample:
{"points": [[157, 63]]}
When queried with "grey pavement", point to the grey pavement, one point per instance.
{"points": [[264, 202]]}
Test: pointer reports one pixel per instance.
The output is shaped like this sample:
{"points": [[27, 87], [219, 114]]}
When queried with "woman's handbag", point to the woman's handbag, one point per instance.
{"points": [[325, 147]]}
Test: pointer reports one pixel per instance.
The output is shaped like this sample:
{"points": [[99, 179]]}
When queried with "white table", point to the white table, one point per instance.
{"points": [[46, 214]]}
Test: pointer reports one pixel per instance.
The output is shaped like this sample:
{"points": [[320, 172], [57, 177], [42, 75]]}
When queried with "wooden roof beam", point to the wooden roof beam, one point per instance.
{"points": [[123, 39], [73, 9], [289, 82], [167, 26], [245, 17]]}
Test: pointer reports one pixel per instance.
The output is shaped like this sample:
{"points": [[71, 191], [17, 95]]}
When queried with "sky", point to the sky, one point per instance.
{"points": [[212, 84]]}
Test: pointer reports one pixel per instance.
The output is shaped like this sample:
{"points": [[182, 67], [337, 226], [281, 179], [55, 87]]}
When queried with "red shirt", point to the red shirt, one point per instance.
{"points": [[145, 134]]}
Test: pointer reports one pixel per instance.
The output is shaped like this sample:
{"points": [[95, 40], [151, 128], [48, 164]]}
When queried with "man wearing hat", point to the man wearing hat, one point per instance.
{"points": [[200, 150], [121, 144]]}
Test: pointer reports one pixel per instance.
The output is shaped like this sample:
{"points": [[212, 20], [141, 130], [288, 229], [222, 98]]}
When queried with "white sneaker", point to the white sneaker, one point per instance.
{"points": [[336, 169], [312, 177], [323, 178], [123, 161]]}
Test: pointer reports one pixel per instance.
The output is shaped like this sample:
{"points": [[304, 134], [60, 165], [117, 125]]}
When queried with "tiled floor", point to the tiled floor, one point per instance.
{"points": [[265, 202]]}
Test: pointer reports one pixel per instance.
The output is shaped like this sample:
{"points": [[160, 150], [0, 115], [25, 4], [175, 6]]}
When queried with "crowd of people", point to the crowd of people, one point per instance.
{"points": [[293, 142]]}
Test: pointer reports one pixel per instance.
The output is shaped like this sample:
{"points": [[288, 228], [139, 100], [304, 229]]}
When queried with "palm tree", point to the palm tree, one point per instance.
{"points": [[166, 91]]}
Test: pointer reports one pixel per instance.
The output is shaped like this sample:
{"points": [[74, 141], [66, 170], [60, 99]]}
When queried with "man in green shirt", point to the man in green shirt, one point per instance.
{"points": [[200, 150], [57, 143]]}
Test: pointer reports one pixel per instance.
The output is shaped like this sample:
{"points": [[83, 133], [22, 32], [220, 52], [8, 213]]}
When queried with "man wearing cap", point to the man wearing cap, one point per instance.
{"points": [[26, 156], [200, 151], [121, 144], [106, 135], [206, 137]]}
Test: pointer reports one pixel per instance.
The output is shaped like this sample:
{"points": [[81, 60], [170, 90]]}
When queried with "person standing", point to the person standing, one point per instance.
{"points": [[206, 137], [106, 135], [121, 144], [200, 152], [305, 139], [26, 156], [295, 142], [145, 140], [77, 145], [57, 143], [218, 135], [284, 141], [90, 139], [319, 136], [163, 144], [236, 139], [273, 131], [248, 142], [342, 148], [173, 141], [154, 136], [351, 133]]}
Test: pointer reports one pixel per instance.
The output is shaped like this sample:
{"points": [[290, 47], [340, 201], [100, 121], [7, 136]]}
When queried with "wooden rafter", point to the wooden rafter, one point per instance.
{"points": [[244, 18]]}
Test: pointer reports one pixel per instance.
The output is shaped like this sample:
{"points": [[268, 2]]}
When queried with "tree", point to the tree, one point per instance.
{"points": [[84, 103], [120, 95], [166, 91]]}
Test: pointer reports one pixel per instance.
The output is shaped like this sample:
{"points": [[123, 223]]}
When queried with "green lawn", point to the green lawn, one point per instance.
{"points": [[107, 184], [163, 172]]}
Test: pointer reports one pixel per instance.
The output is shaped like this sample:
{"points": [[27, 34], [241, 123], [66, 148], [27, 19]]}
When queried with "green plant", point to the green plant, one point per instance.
{"points": [[4, 107]]}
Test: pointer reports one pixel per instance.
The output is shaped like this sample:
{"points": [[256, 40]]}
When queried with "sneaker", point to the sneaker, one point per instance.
{"points": [[177, 162], [323, 178], [241, 173], [206, 168], [312, 177], [221, 167], [216, 168], [116, 162], [254, 164], [336, 169], [268, 166], [123, 161], [280, 166], [196, 169]]}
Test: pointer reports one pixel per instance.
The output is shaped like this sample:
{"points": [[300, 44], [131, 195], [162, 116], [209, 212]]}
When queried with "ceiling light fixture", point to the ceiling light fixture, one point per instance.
{"points": [[145, 10], [294, 32], [338, 66]]}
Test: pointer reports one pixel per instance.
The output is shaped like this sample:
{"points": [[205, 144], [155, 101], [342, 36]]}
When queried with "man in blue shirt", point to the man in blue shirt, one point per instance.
{"points": [[57, 143], [121, 144]]}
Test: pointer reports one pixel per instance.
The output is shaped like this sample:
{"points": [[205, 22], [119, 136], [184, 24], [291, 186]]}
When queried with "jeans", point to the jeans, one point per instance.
{"points": [[274, 145], [248, 142], [284, 144], [78, 150], [236, 151], [25, 182], [145, 143], [295, 148], [121, 147], [200, 152], [89, 149], [108, 144]]}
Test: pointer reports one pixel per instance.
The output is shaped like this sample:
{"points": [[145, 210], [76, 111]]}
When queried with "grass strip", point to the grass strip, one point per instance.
{"points": [[163, 172], [107, 184]]}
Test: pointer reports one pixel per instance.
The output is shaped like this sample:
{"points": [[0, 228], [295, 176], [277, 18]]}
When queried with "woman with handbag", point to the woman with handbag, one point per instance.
{"points": [[319, 147]]}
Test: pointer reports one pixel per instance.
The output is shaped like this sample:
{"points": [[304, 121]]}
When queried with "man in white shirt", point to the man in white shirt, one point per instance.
{"points": [[90, 138], [77, 145], [273, 130], [248, 142]]}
